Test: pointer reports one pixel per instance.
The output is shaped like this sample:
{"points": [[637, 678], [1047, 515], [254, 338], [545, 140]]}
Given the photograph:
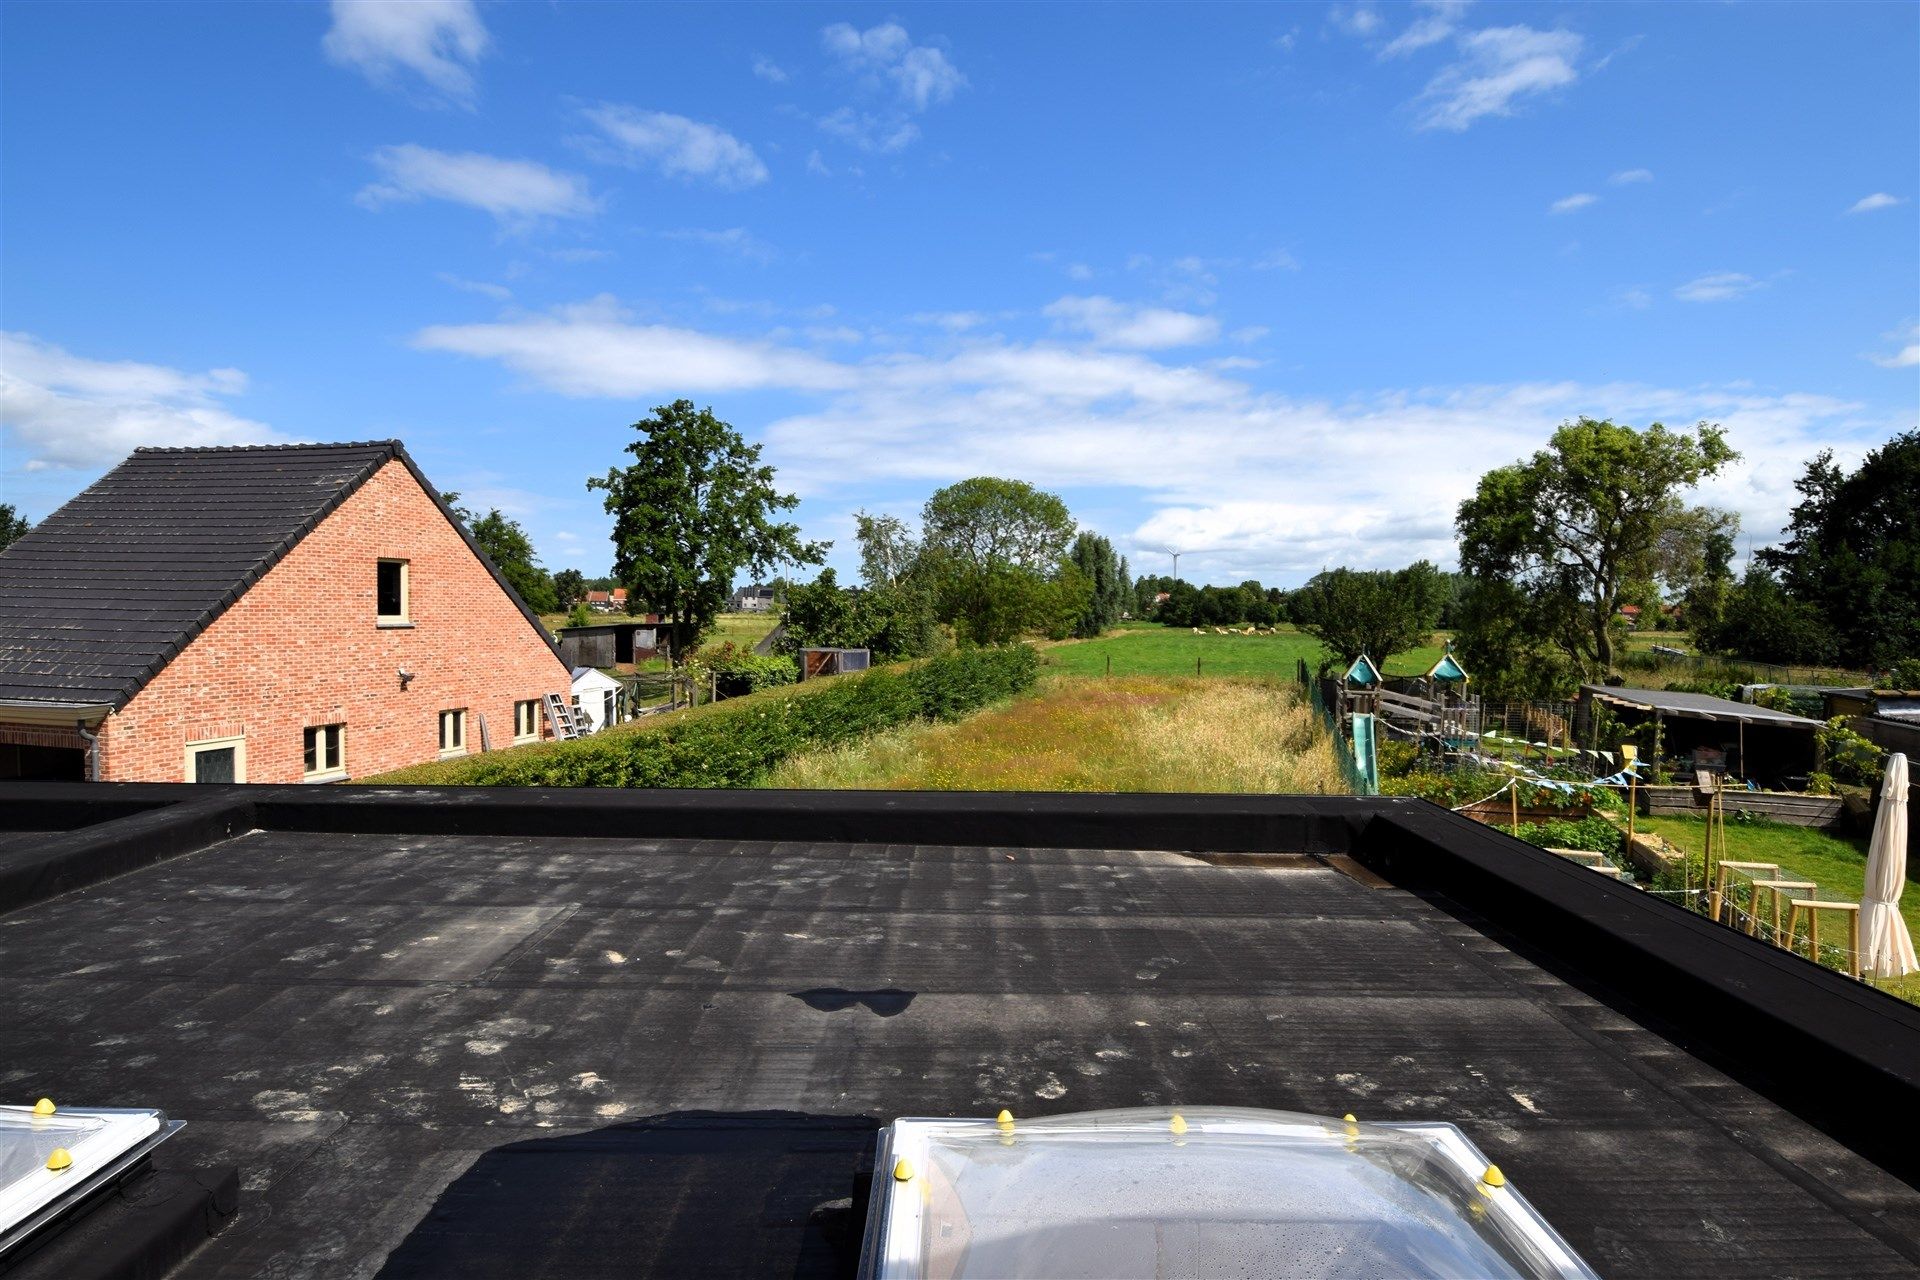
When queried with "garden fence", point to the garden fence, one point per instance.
{"points": [[1327, 708]]}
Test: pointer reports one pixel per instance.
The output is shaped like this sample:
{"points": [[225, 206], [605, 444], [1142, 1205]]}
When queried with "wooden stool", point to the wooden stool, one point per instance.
{"points": [[1776, 890], [1813, 908]]}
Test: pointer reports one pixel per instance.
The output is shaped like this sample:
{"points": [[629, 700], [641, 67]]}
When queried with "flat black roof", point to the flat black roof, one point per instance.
{"points": [[463, 1052]]}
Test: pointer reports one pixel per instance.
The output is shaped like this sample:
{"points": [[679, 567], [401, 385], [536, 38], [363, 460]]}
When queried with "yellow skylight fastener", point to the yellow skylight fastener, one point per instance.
{"points": [[1493, 1177], [1349, 1118], [44, 1107], [1004, 1119], [60, 1159], [1178, 1124], [902, 1171]]}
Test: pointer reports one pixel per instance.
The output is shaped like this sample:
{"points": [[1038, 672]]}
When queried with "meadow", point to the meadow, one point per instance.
{"points": [[1153, 650], [1131, 733]]}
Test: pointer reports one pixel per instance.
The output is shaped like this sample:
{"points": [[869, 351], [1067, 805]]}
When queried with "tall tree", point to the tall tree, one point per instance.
{"points": [[1600, 507], [511, 551], [1375, 612], [13, 526], [1106, 574], [569, 587], [992, 551], [694, 508], [887, 549], [1852, 552]]}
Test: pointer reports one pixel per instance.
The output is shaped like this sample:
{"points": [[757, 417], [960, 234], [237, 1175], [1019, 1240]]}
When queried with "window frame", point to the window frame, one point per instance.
{"points": [[404, 618], [532, 732], [237, 741], [325, 772], [459, 722]]}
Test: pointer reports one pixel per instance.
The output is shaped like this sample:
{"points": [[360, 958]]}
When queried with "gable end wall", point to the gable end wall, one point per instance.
{"points": [[303, 648]]}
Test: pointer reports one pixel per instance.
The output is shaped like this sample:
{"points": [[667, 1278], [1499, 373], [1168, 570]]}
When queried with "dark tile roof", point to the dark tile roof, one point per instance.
{"points": [[105, 591]]}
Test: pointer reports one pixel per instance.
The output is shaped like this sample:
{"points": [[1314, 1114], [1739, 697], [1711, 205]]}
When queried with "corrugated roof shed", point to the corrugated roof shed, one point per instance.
{"points": [[1696, 706], [105, 591]]}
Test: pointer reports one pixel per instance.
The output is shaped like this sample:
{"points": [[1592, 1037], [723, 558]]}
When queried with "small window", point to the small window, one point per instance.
{"points": [[326, 750], [218, 760], [526, 720], [391, 592], [453, 732]]}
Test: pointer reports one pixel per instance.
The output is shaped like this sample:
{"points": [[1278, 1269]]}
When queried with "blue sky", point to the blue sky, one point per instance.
{"points": [[1270, 283]]}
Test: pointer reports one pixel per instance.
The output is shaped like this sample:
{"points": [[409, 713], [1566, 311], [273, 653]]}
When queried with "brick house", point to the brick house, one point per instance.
{"points": [[260, 614]]}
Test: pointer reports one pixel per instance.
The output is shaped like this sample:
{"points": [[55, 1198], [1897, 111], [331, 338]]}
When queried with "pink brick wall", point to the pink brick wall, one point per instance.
{"points": [[303, 648]]}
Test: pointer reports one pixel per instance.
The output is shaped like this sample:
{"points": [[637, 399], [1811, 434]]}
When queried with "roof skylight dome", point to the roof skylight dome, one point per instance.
{"points": [[1198, 1191]]}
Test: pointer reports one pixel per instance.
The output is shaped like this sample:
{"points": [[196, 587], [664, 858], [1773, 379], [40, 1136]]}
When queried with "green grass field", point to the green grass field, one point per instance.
{"points": [[1152, 650], [1838, 865]]}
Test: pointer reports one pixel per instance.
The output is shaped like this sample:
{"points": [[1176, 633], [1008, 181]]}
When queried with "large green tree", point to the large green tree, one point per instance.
{"points": [[1600, 508], [992, 552], [1375, 612], [13, 526], [1110, 593], [569, 587], [893, 622], [694, 509], [1852, 552]]}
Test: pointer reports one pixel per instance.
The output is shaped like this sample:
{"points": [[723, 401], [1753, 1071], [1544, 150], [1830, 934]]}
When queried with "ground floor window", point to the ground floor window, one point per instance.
{"points": [[326, 746], [526, 720], [217, 760], [453, 732]]}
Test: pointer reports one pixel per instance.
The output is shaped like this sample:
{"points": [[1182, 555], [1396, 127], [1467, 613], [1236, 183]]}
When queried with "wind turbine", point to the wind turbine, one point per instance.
{"points": [[1190, 551]]}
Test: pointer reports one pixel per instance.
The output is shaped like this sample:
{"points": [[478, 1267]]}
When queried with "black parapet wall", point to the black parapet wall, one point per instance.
{"points": [[1839, 1053], [1843, 1055]]}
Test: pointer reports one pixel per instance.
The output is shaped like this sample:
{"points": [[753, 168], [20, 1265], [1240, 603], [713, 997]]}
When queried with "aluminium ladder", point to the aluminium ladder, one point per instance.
{"points": [[566, 719]]}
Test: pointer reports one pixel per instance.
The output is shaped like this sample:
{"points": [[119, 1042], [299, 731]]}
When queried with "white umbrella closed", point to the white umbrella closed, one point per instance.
{"points": [[1886, 946]]}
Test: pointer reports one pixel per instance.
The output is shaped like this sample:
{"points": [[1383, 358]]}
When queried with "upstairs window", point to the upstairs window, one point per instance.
{"points": [[326, 750], [526, 720], [391, 592], [453, 732]]}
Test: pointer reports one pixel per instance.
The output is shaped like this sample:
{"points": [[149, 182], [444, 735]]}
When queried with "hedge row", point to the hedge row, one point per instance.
{"points": [[729, 744]]}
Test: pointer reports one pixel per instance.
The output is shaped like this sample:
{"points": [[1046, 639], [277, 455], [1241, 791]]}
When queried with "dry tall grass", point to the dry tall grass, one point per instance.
{"points": [[1140, 734]]}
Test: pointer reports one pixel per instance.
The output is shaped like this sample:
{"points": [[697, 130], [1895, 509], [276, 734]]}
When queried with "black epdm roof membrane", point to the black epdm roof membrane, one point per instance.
{"points": [[435, 1049]]}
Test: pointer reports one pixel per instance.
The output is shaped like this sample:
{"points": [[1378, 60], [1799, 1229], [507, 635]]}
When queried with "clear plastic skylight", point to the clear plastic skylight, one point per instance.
{"points": [[1203, 1191], [92, 1146]]}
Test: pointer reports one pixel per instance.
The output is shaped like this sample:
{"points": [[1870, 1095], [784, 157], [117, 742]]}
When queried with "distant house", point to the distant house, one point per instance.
{"points": [[260, 614], [754, 599], [614, 601]]}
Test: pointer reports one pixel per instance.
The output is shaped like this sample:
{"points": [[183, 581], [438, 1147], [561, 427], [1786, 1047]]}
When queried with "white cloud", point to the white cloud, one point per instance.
{"points": [[1627, 177], [735, 240], [1442, 18], [63, 410], [769, 70], [951, 321], [440, 41], [1276, 260], [593, 349], [1878, 200], [1567, 204], [1908, 356], [919, 75], [1224, 463], [1499, 67], [1116, 324], [1356, 20], [1718, 286], [818, 166], [498, 292], [884, 133], [519, 193], [674, 145]]}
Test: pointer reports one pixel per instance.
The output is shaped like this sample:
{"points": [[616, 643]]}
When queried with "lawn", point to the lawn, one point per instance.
{"points": [[1837, 864], [1130, 733], [1173, 651]]}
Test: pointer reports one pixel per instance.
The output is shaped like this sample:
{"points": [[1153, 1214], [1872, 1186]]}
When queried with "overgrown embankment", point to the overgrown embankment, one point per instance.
{"points": [[730, 744], [1135, 734]]}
